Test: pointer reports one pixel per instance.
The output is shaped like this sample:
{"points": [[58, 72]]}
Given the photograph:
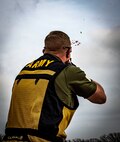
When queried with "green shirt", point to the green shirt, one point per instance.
{"points": [[73, 79]]}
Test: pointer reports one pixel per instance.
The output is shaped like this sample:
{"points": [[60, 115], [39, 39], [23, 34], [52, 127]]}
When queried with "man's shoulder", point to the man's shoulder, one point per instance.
{"points": [[72, 72], [72, 68]]}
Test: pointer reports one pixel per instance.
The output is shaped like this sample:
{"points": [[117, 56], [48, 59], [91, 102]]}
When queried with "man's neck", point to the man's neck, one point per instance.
{"points": [[58, 55]]}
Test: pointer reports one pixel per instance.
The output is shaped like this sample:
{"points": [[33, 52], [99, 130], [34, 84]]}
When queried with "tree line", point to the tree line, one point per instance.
{"points": [[112, 137]]}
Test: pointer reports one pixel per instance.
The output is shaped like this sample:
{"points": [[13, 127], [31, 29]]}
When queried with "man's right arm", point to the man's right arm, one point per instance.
{"points": [[99, 97], [82, 86]]}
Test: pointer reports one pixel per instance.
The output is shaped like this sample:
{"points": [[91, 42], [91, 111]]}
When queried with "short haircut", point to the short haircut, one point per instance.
{"points": [[56, 40]]}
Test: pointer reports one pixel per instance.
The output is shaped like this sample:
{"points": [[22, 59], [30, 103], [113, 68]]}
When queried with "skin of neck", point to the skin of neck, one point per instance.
{"points": [[61, 55]]}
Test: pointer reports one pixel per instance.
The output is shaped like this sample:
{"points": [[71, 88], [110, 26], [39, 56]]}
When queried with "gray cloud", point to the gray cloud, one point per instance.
{"points": [[112, 44], [114, 40], [107, 11]]}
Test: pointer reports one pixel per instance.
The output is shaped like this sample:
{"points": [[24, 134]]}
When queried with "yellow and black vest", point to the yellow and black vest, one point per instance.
{"points": [[35, 107]]}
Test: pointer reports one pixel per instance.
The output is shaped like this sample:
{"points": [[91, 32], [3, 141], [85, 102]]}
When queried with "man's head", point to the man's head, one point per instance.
{"points": [[58, 42]]}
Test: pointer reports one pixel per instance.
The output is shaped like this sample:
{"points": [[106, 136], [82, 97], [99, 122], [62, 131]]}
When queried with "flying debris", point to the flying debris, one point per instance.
{"points": [[75, 42]]}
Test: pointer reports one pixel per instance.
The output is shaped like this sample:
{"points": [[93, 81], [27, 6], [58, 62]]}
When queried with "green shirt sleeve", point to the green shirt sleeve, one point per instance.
{"points": [[73, 79]]}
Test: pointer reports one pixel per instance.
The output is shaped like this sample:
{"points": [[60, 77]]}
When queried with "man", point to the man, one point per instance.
{"points": [[44, 95]]}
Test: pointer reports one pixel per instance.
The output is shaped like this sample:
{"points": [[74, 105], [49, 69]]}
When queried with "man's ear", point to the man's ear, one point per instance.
{"points": [[43, 50], [68, 53]]}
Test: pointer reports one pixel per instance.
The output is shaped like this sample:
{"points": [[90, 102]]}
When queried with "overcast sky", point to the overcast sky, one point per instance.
{"points": [[95, 23]]}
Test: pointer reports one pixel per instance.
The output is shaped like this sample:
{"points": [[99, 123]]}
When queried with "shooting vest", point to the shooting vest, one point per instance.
{"points": [[35, 108]]}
